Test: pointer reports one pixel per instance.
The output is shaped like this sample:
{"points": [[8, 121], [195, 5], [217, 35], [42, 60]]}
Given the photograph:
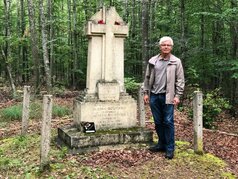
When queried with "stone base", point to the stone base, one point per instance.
{"points": [[79, 142], [106, 114]]}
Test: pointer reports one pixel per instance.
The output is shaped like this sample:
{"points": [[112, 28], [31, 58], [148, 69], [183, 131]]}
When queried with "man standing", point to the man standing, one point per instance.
{"points": [[163, 86]]}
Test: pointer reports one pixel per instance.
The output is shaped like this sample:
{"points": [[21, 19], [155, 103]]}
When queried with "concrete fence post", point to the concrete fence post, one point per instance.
{"points": [[198, 122], [46, 130], [25, 110], [141, 107]]}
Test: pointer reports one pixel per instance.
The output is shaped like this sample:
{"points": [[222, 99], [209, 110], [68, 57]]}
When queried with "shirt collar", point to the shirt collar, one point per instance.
{"points": [[164, 59]]}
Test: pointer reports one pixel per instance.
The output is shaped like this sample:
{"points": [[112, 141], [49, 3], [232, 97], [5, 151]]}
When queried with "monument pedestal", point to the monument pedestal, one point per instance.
{"points": [[115, 123], [79, 142], [106, 114]]}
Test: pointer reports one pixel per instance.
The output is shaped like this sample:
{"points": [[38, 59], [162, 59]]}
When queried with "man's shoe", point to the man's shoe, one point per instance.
{"points": [[169, 155], [156, 148]]}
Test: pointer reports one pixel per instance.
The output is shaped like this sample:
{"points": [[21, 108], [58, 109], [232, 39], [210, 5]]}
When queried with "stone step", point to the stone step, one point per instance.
{"points": [[82, 142]]}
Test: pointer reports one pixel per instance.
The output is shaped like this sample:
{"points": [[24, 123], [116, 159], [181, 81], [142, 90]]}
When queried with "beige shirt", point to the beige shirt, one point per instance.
{"points": [[174, 74]]}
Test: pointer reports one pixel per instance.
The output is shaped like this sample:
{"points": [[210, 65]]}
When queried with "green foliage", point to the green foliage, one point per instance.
{"points": [[192, 76], [12, 150], [213, 105], [58, 89], [11, 113], [132, 86], [8, 163], [20, 142], [60, 111], [15, 112], [95, 173], [35, 110]]}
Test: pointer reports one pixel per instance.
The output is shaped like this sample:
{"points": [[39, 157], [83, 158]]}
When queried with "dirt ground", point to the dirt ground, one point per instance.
{"points": [[140, 163]]}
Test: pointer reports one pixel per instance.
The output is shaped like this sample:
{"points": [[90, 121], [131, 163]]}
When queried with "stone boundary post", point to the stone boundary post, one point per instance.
{"points": [[141, 106], [25, 109], [198, 122], [46, 130]]}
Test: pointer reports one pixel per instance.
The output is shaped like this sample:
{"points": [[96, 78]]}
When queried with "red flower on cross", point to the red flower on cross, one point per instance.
{"points": [[101, 22]]}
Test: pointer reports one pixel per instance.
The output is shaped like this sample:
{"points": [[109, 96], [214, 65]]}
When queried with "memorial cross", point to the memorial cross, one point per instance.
{"points": [[109, 25]]}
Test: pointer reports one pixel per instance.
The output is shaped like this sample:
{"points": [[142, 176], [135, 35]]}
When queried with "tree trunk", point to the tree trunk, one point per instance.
{"points": [[45, 49], [51, 38], [34, 45], [74, 40], [202, 46], [85, 5], [183, 31], [6, 53], [69, 72], [153, 21], [9, 73], [234, 51], [145, 24], [23, 47]]}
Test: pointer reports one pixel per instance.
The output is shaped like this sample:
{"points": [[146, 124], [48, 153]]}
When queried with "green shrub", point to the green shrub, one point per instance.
{"points": [[213, 105], [132, 86], [58, 90], [15, 112], [11, 113], [35, 110], [60, 111]]}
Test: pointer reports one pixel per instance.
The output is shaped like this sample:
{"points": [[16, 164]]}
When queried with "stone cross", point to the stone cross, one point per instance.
{"points": [[106, 31]]}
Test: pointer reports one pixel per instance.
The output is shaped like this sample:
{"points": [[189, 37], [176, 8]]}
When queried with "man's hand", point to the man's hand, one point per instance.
{"points": [[146, 99], [176, 101]]}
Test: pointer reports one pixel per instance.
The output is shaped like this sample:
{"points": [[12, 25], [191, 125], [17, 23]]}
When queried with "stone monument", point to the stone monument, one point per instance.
{"points": [[105, 101]]}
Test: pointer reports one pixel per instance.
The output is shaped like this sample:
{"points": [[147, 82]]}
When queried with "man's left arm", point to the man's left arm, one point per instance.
{"points": [[179, 83]]}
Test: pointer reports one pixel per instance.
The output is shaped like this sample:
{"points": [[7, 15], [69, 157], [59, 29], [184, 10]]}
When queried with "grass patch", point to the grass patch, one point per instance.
{"points": [[15, 112], [95, 173], [18, 153], [60, 111], [11, 113]]}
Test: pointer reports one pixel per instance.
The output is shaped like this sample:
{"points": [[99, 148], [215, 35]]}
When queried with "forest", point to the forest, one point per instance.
{"points": [[43, 43]]}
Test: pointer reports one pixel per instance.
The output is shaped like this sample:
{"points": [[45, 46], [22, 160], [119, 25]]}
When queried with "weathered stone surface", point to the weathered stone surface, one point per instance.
{"points": [[106, 114], [108, 91], [46, 129], [198, 121], [81, 142], [105, 49]]}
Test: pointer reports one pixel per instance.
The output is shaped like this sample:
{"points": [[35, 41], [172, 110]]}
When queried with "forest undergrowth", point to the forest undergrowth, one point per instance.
{"points": [[20, 155]]}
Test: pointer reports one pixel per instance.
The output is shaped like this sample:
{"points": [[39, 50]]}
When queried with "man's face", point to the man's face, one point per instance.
{"points": [[166, 47]]}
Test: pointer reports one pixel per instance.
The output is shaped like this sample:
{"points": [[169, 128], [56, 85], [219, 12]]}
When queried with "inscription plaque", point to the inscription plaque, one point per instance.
{"points": [[107, 114]]}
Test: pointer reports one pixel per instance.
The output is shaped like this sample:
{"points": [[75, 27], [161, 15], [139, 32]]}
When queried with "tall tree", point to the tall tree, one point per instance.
{"points": [[34, 45], [145, 25], [51, 37], [45, 48], [234, 51], [183, 31], [23, 47], [75, 47], [6, 51]]}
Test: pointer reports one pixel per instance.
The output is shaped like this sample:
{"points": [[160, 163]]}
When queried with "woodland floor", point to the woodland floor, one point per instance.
{"points": [[222, 143]]}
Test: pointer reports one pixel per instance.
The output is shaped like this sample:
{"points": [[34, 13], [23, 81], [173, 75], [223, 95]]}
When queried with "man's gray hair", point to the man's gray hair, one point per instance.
{"points": [[166, 38]]}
